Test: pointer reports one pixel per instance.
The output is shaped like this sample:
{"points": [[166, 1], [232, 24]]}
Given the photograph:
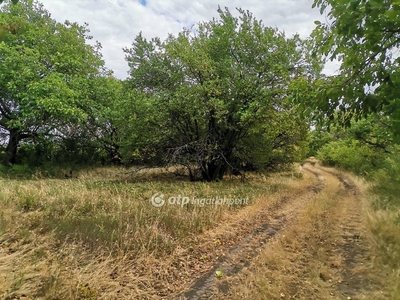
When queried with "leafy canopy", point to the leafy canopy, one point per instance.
{"points": [[46, 69], [364, 35], [210, 88], [12, 1]]}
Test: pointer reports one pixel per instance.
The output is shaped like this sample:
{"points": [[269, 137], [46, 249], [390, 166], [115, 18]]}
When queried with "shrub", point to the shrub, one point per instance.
{"points": [[351, 155], [387, 182]]}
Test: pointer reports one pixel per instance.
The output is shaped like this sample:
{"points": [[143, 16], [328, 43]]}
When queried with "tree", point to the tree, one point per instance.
{"points": [[364, 35], [47, 72], [12, 1], [210, 88]]}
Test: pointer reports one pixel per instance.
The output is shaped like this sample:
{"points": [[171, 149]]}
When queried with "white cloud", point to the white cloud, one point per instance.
{"points": [[115, 23]]}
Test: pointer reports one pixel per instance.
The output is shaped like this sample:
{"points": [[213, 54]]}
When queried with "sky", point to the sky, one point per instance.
{"points": [[115, 23]]}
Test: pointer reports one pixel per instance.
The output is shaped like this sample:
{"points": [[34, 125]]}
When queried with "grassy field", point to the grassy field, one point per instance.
{"points": [[384, 236], [97, 235]]}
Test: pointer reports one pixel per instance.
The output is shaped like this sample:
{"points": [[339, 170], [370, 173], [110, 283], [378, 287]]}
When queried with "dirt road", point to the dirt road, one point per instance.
{"points": [[309, 245], [302, 237]]}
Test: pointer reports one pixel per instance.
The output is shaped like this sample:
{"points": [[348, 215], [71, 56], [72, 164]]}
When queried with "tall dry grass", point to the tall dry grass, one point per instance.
{"points": [[97, 235], [384, 235], [312, 258]]}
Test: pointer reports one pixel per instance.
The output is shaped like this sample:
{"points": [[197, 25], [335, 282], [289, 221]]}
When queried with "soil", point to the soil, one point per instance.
{"points": [[210, 266], [354, 284]]}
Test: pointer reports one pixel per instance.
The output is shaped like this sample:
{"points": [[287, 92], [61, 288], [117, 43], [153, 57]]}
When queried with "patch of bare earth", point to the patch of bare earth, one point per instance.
{"points": [[309, 246]]}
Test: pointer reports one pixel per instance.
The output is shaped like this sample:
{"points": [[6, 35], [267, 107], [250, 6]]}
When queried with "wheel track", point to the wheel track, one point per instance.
{"points": [[240, 255], [354, 284]]}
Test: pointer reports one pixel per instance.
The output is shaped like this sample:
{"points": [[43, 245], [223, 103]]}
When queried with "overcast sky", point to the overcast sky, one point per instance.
{"points": [[115, 23]]}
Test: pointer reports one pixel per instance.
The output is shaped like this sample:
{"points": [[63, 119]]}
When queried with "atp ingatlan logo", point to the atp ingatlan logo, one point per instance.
{"points": [[158, 200]]}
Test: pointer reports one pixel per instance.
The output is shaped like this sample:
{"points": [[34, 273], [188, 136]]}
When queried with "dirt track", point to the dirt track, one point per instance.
{"points": [[303, 239], [341, 277]]}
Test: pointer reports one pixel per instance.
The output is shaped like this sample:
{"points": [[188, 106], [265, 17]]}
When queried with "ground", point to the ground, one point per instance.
{"points": [[309, 245], [303, 236]]}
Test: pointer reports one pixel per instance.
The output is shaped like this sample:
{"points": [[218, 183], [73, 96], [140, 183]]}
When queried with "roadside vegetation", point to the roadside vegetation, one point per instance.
{"points": [[97, 234], [379, 164], [232, 110]]}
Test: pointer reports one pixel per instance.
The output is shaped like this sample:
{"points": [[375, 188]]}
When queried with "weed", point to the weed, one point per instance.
{"points": [[101, 228]]}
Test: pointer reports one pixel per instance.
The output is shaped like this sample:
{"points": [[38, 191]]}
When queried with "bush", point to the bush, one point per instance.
{"points": [[19, 171], [387, 182], [381, 168], [351, 155]]}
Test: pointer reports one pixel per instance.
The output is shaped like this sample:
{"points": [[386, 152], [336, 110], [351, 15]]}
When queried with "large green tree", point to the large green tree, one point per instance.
{"points": [[364, 35], [211, 88], [47, 75], [12, 1]]}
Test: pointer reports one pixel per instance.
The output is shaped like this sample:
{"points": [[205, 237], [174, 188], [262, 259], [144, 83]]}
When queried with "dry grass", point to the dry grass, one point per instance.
{"points": [[384, 235], [287, 266], [313, 258], [97, 236]]}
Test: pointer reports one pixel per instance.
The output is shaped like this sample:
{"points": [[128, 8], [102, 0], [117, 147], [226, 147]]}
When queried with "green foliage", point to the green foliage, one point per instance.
{"points": [[139, 126], [18, 171], [366, 148], [318, 138], [387, 182], [12, 1], [364, 37], [47, 75], [216, 97], [277, 143], [350, 155], [362, 148]]}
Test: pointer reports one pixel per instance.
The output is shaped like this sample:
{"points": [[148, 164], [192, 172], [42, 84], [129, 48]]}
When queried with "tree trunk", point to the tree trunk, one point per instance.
{"points": [[214, 171], [12, 146]]}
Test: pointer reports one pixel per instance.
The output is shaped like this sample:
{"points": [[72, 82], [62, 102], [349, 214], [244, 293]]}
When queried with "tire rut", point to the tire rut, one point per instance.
{"points": [[354, 284], [240, 255]]}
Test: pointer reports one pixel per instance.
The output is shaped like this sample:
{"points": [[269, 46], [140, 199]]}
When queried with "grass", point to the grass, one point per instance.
{"points": [[385, 238], [310, 259], [97, 235], [383, 219], [383, 222], [102, 214], [291, 265]]}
